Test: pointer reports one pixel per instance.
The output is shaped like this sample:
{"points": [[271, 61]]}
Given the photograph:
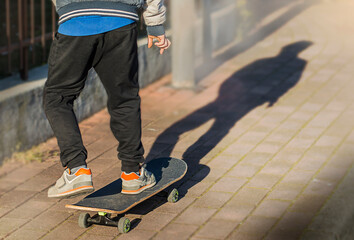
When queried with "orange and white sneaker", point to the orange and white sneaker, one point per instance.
{"points": [[134, 183], [72, 184]]}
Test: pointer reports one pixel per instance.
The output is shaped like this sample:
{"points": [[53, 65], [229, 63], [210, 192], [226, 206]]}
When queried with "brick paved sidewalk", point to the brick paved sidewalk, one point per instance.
{"points": [[268, 139]]}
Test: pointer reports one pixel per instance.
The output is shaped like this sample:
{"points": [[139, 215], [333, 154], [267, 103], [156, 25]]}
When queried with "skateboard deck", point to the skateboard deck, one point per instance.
{"points": [[109, 199]]}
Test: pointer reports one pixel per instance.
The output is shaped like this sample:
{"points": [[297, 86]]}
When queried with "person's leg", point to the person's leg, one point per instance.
{"points": [[118, 71], [69, 61]]}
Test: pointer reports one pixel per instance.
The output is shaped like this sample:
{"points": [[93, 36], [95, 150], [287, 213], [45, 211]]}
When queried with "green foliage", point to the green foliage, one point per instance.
{"points": [[35, 154]]}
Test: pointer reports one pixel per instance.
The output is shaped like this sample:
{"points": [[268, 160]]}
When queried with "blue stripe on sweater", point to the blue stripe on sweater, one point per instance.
{"points": [[91, 25]]}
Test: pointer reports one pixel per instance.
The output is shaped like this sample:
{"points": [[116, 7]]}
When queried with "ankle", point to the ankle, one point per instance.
{"points": [[75, 169], [129, 167]]}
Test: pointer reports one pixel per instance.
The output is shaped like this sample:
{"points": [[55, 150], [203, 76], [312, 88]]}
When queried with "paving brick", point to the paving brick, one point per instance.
{"points": [[324, 119], [256, 158], [311, 132], [14, 198], [25, 234], [249, 195], [109, 156], [318, 187], [100, 165], [280, 137], [47, 221], [299, 177], [217, 229], [328, 141], [315, 235], [331, 174], [228, 184], [37, 183], [290, 226], [21, 174], [311, 107], [29, 209], [243, 171], [285, 191], [271, 208], [252, 137], [256, 226], [263, 180], [238, 149], [291, 125], [308, 163], [213, 199], [155, 221], [288, 155], [268, 147], [43, 197], [8, 167], [234, 212], [66, 230], [195, 215], [193, 188], [207, 174], [177, 207], [262, 127], [176, 231], [301, 115], [98, 230], [88, 236], [276, 168], [308, 203], [6, 186], [8, 225], [221, 161], [300, 143], [243, 236]]}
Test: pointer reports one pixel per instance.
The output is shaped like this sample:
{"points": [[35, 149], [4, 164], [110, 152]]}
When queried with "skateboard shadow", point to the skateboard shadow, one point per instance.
{"points": [[261, 82]]}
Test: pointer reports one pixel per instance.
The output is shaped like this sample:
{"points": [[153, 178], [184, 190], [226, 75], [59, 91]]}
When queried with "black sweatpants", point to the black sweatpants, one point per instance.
{"points": [[114, 57]]}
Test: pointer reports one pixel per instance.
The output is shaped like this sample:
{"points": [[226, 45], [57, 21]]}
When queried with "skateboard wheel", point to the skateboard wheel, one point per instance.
{"points": [[173, 196], [123, 225], [83, 220]]}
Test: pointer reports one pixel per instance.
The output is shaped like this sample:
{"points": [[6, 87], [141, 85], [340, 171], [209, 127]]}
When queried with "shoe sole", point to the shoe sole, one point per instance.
{"points": [[139, 190], [74, 192]]}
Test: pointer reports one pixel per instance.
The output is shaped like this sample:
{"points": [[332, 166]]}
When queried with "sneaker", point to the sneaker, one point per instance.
{"points": [[69, 185], [134, 183]]}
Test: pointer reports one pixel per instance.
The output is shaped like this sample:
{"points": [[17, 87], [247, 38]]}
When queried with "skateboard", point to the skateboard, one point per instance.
{"points": [[109, 199]]}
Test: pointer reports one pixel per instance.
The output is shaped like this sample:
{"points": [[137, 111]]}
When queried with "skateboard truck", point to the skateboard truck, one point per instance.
{"points": [[102, 218]]}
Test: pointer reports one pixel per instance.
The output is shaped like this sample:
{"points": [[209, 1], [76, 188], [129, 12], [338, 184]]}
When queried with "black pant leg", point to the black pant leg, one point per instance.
{"points": [[69, 61], [118, 71]]}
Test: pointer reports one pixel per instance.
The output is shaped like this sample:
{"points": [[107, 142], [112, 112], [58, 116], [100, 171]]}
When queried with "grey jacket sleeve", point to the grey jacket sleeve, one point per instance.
{"points": [[154, 17]]}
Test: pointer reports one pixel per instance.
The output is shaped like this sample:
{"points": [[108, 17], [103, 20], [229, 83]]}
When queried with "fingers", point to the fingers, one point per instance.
{"points": [[150, 41], [166, 46], [162, 43]]}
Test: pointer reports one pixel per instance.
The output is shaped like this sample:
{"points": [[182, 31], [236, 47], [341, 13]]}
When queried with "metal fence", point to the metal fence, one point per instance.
{"points": [[29, 24]]}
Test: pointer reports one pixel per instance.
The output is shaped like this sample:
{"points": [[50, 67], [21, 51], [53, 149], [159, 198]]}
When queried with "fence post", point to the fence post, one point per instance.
{"points": [[183, 50]]}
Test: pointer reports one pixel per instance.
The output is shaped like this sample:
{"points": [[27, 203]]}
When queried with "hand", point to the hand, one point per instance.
{"points": [[162, 42]]}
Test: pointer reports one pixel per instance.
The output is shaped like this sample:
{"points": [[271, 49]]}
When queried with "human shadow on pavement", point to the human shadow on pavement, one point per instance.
{"points": [[261, 82]]}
